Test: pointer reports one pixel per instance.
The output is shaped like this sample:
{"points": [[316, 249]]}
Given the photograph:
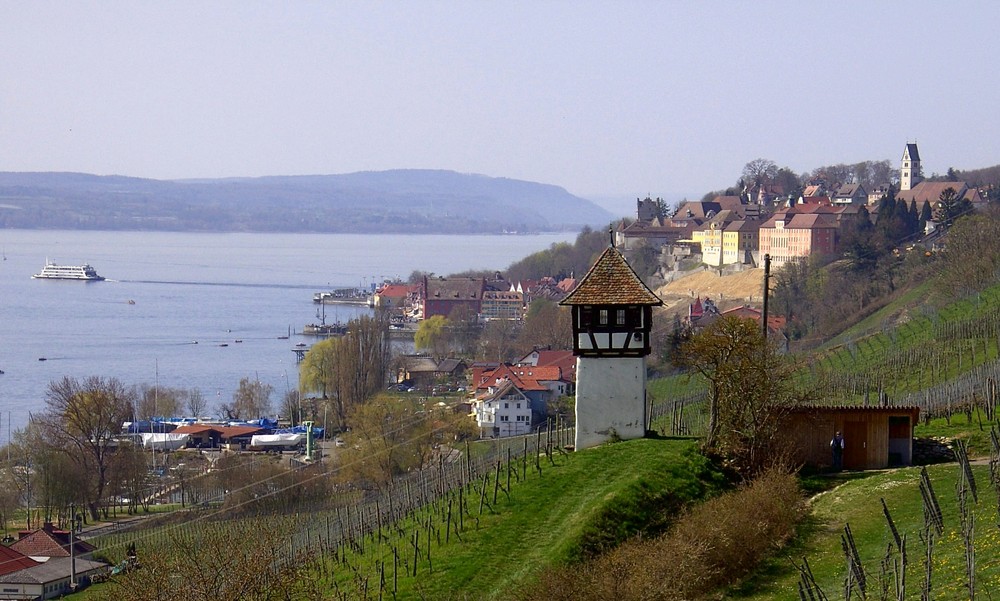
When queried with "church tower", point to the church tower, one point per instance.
{"points": [[612, 316], [909, 171]]}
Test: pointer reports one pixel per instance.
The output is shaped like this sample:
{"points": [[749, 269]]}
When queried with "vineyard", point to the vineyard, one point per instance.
{"points": [[399, 527]]}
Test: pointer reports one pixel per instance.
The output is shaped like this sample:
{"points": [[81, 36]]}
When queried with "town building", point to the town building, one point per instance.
{"points": [[443, 295], [498, 304], [502, 411], [789, 236]]}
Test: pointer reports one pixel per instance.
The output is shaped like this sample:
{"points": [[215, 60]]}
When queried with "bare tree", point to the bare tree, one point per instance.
{"points": [[251, 401], [156, 401], [82, 420], [547, 325], [499, 339], [759, 172], [196, 403]]}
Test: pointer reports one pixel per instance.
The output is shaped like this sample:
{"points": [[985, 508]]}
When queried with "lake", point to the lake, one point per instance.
{"points": [[196, 310]]}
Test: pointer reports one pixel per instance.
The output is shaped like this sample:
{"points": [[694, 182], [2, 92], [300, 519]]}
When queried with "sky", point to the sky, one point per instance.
{"points": [[610, 100]]}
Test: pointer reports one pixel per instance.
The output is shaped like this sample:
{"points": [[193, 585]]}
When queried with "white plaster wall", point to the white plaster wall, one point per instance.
{"points": [[610, 394]]}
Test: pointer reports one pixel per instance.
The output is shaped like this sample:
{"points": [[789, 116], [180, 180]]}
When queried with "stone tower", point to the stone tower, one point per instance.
{"points": [[612, 315], [909, 171]]}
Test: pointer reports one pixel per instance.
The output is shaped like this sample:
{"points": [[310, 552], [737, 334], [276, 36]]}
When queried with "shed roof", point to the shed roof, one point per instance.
{"points": [[57, 568], [222, 431], [611, 281]]}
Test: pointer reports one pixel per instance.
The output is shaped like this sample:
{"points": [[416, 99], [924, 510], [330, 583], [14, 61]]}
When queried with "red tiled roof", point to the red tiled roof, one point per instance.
{"points": [[12, 561], [234, 431], [195, 429], [49, 542], [930, 191], [397, 290], [611, 281]]}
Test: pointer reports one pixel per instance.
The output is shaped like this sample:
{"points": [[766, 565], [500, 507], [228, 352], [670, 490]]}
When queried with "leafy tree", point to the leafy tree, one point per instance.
{"points": [[750, 391], [950, 207], [317, 372], [250, 401], [83, 420], [433, 335], [926, 215], [388, 436], [562, 259], [348, 369], [789, 181]]}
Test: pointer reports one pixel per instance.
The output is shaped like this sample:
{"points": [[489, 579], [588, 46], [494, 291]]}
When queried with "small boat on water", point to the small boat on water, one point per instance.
{"points": [[51, 271]]}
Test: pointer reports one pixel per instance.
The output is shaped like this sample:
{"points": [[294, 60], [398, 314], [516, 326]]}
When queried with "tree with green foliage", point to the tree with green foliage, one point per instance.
{"points": [[433, 335], [750, 391], [562, 260], [926, 214], [389, 436], [346, 370], [951, 206]]}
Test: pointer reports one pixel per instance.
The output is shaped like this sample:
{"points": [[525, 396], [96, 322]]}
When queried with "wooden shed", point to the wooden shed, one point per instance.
{"points": [[874, 437]]}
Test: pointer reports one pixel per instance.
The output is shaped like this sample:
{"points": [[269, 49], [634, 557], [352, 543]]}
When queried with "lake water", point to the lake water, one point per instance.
{"points": [[210, 289]]}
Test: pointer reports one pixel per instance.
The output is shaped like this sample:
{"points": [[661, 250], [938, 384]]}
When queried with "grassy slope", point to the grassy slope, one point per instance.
{"points": [[856, 502], [547, 517]]}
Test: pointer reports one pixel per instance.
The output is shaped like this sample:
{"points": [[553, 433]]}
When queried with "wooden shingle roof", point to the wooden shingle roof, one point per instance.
{"points": [[611, 281]]}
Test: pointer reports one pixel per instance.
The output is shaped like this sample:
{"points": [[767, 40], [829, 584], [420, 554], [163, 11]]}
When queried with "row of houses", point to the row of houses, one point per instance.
{"points": [[731, 230], [483, 298], [505, 399]]}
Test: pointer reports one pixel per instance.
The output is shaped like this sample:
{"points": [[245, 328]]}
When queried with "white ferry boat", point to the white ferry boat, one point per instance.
{"points": [[51, 271]]}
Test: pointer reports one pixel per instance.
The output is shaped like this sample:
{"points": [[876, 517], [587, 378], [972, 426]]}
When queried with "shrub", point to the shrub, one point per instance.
{"points": [[711, 546]]}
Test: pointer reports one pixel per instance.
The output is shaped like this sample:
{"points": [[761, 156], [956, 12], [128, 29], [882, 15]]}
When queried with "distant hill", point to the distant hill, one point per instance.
{"points": [[411, 201]]}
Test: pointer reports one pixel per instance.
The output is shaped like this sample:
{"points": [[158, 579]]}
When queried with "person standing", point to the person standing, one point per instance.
{"points": [[837, 446]]}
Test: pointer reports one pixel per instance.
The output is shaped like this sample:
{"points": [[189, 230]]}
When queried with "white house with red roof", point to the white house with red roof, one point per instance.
{"points": [[502, 410]]}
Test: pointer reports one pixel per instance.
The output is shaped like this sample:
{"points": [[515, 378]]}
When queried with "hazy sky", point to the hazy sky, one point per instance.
{"points": [[602, 98]]}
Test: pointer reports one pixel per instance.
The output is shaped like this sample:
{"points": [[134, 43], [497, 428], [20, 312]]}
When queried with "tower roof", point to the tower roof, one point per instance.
{"points": [[910, 152], [611, 281]]}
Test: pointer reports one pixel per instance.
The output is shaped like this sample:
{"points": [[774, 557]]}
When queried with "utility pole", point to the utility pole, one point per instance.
{"points": [[767, 290], [72, 547]]}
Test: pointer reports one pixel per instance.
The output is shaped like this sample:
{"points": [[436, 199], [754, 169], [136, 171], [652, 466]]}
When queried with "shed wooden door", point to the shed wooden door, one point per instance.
{"points": [[855, 445]]}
